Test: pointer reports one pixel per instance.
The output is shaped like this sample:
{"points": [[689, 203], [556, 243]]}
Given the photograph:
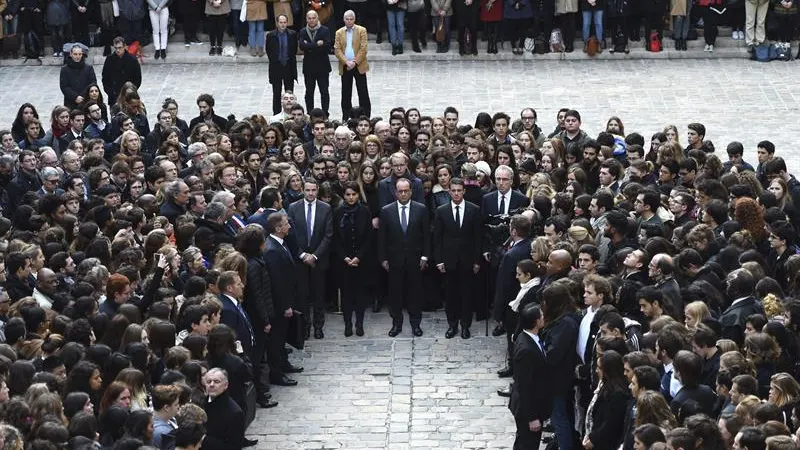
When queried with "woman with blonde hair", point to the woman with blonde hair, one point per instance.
{"points": [[746, 409], [234, 261], [541, 247], [784, 392], [136, 382], [555, 147], [578, 236], [727, 345], [669, 151], [696, 313], [672, 134], [762, 352]]}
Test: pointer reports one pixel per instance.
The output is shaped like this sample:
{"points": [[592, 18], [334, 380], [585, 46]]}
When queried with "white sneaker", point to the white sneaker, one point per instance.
{"points": [[735, 35], [711, 49], [741, 35], [706, 48]]}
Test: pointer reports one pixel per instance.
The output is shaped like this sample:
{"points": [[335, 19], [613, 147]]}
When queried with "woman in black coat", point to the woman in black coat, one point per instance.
{"points": [[605, 423], [352, 237], [221, 347]]}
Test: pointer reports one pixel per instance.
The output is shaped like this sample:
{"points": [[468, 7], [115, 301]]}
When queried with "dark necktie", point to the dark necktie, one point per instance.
{"points": [[283, 54], [458, 217], [403, 219], [243, 315], [309, 224], [502, 204]]}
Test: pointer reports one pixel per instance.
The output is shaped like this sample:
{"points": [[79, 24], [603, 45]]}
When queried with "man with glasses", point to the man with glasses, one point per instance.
{"points": [[96, 127], [528, 122], [386, 187], [153, 140], [120, 67], [681, 205], [50, 181]]}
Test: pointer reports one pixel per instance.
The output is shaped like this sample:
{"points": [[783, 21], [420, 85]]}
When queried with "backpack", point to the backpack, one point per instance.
{"points": [[592, 46], [762, 53], [556, 41], [654, 42], [780, 52]]}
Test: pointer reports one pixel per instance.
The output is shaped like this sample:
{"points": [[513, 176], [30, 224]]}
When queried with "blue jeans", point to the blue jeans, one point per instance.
{"points": [[597, 15], [11, 25], [256, 36], [562, 422], [396, 26]]}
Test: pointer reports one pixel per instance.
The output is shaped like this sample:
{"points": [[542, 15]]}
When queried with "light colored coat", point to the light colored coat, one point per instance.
{"points": [[223, 9], [360, 41], [283, 7], [566, 6], [257, 10]]}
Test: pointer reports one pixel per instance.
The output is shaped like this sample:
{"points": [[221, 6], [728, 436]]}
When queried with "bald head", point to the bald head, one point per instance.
{"points": [[46, 281], [558, 261]]}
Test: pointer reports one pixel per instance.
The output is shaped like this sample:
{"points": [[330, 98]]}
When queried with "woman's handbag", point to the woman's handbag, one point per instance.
{"points": [[440, 34]]}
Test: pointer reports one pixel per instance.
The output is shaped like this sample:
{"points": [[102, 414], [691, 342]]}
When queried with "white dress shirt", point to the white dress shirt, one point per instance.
{"points": [[311, 225], [400, 212], [500, 196]]}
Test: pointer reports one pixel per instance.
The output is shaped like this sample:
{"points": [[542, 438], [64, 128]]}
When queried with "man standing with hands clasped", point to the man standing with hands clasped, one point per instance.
{"points": [[315, 41], [282, 54], [351, 50], [530, 403]]}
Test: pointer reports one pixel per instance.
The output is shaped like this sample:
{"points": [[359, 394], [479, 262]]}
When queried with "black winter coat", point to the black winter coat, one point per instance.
{"points": [[258, 293], [560, 338], [75, 78], [116, 71], [225, 425], [608, 420]]}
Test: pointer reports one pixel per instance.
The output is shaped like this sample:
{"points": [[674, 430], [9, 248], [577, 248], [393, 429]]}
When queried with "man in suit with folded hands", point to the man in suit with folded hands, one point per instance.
{"points": [[457, 232], [403, 248]]}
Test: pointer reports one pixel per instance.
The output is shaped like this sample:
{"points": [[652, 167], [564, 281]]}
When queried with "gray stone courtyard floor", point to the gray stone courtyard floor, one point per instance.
{"points": [[735, 99], [429, 392]]}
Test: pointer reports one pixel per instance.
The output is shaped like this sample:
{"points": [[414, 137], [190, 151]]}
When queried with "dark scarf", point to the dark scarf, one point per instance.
{"points": [[349, 217]]}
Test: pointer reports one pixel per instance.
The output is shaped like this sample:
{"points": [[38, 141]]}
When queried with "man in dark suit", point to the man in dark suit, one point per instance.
{"points": [[315, 41], [231, 293], [314, 220], [507, 286], [403, 248], [225, 425], [457, 229], [282, 52], [530, 402], [739, 288], [77, 119], [281, 267], [504, 199]]}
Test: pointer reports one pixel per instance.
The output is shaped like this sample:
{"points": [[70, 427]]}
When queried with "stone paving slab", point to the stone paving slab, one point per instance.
{"points": [[736, 99]]}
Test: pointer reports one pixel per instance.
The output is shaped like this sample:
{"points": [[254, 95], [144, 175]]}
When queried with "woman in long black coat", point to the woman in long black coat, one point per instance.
{"points": [[353, 237]]}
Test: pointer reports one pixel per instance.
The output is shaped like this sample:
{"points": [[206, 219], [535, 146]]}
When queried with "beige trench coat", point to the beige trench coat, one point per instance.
{"points": [[566, 6], [283, 7], [257, 10]]}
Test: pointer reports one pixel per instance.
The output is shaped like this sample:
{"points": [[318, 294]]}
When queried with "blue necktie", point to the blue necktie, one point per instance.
{"points": [[308, 224], [403, 219], [247, 321], [283, 54]]}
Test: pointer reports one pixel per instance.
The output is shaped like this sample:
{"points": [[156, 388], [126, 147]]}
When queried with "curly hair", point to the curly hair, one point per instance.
{"points": [[748, 213], [761, 348]]}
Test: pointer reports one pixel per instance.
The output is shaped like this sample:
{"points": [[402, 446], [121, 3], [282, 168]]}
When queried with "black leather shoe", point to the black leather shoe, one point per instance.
{"points": [[359, 330], [505, 372], [283, 381], [394, 50], [451, 332], [288, 350], [376, 305], [266, 403], [499, 330], [318, 333], [308, 333], [348, 330], [249, 442], [157, 54], [292, 369], [395, 331], [504, 392], [417, 331], [465, 334]]}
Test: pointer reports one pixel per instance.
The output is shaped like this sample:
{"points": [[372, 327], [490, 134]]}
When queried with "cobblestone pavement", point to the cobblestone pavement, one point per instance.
{"points": [[376, 392], [735, 99]]}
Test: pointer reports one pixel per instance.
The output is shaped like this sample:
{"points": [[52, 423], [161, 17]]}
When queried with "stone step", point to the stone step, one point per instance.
{"points": [[725, 48]]}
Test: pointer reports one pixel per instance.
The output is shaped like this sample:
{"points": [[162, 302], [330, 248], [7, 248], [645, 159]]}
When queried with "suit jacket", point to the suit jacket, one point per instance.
{"points": [[315, 57], [400, 248], [281, 267], [456, 245], [360, 41], [241, 324], [530, 398], [489, 207], [225, 425], [387, 187], [322, 234], [277, 71], [733, 319], [507, 286]]}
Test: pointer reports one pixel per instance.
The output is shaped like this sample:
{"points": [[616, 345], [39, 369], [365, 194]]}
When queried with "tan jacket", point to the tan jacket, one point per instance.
{"points": [[257, 10], [283, 7], [360, 41]]}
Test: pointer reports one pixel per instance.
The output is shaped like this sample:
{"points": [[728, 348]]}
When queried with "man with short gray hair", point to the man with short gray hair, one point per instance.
{"points": [[51, 178], [232, 222], [226, 423], [350, 48], [214, 220]]}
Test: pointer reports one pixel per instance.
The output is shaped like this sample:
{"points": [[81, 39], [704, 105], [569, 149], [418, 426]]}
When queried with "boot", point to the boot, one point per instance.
{"points": [[683, 45], [379, 37], [415, 45], [376, 305], [360, 324], [677, 44], [348, 329]]}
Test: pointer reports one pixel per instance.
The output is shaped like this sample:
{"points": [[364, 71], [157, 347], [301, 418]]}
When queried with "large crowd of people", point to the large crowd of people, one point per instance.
{"points": [[159, 275], [536, 26]]}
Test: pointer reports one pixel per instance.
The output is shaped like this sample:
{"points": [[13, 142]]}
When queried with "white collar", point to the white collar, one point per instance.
{"points": [[280, 240]]}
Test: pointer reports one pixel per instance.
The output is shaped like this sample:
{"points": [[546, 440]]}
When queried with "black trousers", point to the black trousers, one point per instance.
{"points": [[347, 93], [653, 22], [276, 341], [80, 26], [467, 21], [526, 439], [459, 288], [312, 81], [257, 357], [785, 26], [192, 14], [216, 29], [516, 31], [567, 22], [510, 322], [404, 284], [354, 295], [314, 280], [710, 21], [416, 27], [285, 83]]}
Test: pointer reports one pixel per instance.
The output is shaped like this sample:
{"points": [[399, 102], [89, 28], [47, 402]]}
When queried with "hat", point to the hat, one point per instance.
{"points": [[528, 166], [483, 166]]}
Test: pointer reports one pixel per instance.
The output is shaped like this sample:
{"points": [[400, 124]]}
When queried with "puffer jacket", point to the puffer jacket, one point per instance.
{"points": [[258, 293]]}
